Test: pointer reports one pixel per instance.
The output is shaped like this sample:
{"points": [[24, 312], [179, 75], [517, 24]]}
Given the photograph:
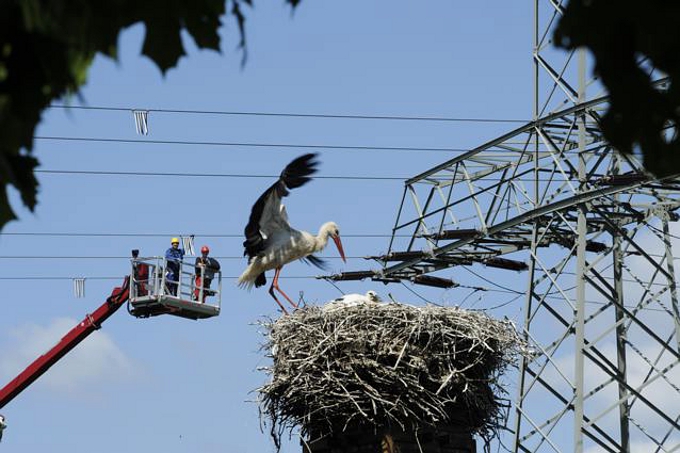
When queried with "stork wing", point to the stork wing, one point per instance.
{"points": [[274, 218], [268, 215]]}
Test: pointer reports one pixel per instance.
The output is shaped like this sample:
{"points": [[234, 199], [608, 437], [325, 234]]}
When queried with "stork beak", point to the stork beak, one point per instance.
{"points": [[338, 244]]}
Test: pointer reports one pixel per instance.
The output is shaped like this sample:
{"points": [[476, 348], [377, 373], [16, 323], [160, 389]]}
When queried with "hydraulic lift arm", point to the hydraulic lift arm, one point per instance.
{"points": [[88, 325]]}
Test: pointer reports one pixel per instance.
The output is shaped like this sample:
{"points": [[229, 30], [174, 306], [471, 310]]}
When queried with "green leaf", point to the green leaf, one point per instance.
{"points": [[620, 34], [17, 170], [163, 43], [203, 23], [23, 178], [6, 213]]}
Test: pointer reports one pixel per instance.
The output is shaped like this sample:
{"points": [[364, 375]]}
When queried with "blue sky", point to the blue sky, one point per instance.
{"points": [[173, 385]]}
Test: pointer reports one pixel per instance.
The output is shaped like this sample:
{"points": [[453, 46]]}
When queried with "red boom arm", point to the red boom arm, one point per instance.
{"points": [[88, 325]]}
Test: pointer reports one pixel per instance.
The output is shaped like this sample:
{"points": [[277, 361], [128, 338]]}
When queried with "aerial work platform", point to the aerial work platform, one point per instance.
{"points": [[149, 290], [154, 291]]}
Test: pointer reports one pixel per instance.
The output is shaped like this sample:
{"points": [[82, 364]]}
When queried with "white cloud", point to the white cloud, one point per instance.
{"points": [[95, 359]]}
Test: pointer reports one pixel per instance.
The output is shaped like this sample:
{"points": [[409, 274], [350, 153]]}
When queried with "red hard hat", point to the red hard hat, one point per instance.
{"points": [[205, 249]]}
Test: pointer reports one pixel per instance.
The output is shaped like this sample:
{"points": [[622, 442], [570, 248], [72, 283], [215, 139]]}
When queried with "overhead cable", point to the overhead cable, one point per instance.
{"points": [[92, 257], [230, 235], [300, 277], [298, 115], [247, 144], [242, 175], [206, 175]]}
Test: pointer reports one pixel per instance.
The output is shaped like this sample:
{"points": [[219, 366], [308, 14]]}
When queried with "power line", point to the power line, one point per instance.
{"points": [[207, 175], [58, 278], [246, 144], [299, 115], [240, 257], [40, 277], [242, 175], [504, 288], [91, 257], [418, 295], [232, 235], [298, 277]]}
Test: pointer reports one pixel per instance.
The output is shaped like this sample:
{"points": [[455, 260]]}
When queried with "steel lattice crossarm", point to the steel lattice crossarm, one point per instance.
{"points": [[482, 205]]}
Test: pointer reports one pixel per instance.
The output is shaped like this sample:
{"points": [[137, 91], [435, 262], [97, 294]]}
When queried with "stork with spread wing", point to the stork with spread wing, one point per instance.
{"points": [[271, 242]]}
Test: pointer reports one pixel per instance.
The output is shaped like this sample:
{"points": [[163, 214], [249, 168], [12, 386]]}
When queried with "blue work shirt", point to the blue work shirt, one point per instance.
{"points": [[173, 256]]}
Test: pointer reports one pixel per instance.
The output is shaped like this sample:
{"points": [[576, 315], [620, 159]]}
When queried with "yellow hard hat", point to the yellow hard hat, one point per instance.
{"points": [[174, 240]]}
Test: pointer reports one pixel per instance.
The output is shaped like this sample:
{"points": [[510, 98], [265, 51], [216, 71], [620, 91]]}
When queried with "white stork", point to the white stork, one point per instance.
{"points": [[352, 300], [356, 299], [271, 242]]}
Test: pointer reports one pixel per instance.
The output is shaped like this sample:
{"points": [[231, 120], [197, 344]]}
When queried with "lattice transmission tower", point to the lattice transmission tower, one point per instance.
{"points": [[592, 232]]}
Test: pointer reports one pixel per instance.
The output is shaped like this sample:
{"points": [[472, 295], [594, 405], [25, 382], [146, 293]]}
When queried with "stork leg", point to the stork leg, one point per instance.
{"points": [[271, 292], [275, 286]]}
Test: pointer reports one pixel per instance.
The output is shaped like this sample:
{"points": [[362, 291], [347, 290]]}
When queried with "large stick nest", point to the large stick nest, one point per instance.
{"points": [[386, 365]]}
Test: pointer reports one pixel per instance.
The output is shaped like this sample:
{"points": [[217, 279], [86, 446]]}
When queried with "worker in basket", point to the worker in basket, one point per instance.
{"points": [[140, 272], [205, 268], [173, 259]]}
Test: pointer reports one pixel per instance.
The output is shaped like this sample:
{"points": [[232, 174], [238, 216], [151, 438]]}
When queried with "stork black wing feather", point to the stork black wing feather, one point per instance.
{"points": [[316, 261], [296, 174]]}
